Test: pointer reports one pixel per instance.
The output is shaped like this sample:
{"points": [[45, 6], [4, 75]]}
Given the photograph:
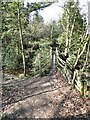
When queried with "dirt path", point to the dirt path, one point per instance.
{"points": [[45, 97]]}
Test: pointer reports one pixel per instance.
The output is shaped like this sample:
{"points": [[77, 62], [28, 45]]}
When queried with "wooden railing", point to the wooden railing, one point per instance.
{"points": [[74, 76], [43, 65]]}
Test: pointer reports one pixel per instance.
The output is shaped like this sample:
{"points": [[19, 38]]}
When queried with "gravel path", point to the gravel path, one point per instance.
{"points": [[45, 97]]}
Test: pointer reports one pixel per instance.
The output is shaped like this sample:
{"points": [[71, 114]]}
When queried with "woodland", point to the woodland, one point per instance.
{"points": [[40, 60]]}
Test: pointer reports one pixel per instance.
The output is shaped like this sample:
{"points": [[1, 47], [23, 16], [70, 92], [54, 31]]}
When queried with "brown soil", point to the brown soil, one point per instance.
{"points": [[45, 97]]}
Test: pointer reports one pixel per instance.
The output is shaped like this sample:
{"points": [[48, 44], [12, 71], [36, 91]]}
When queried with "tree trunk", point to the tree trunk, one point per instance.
{"points": [[21, 39], [67, 39], [87, 63], [71, 33], [88, 52], [79, 55]]}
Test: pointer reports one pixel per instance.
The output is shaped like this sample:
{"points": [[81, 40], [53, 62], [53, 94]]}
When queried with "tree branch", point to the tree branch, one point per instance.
{"points": [[37, 6]]}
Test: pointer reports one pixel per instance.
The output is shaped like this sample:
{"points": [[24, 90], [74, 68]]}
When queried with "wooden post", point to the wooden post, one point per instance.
{"points": [[50, 59], [65, 70], [73, 80], [82, 88], [54, 60], [56, 57], [85, 89], [40, 69]]}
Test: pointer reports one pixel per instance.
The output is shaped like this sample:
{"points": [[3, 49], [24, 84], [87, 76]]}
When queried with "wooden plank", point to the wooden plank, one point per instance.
{"points": [[62, 61], [43, 69], [78, 82], [60, 65], [43, 60], [77, 88], [45, 64]]}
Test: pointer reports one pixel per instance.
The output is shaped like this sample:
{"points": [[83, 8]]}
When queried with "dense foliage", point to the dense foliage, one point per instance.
{"points": [[27, 41]]}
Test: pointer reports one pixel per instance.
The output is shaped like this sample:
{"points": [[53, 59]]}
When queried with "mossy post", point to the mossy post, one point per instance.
{"points": [[82, 87], [85, 89]]}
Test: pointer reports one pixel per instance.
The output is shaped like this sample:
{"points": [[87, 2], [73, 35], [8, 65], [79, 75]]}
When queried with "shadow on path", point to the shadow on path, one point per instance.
{"points": [[41, 98]]}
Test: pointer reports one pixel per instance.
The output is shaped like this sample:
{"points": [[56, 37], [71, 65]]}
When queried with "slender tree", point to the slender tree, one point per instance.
{"points": [[73, 24], [21, 38]]}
